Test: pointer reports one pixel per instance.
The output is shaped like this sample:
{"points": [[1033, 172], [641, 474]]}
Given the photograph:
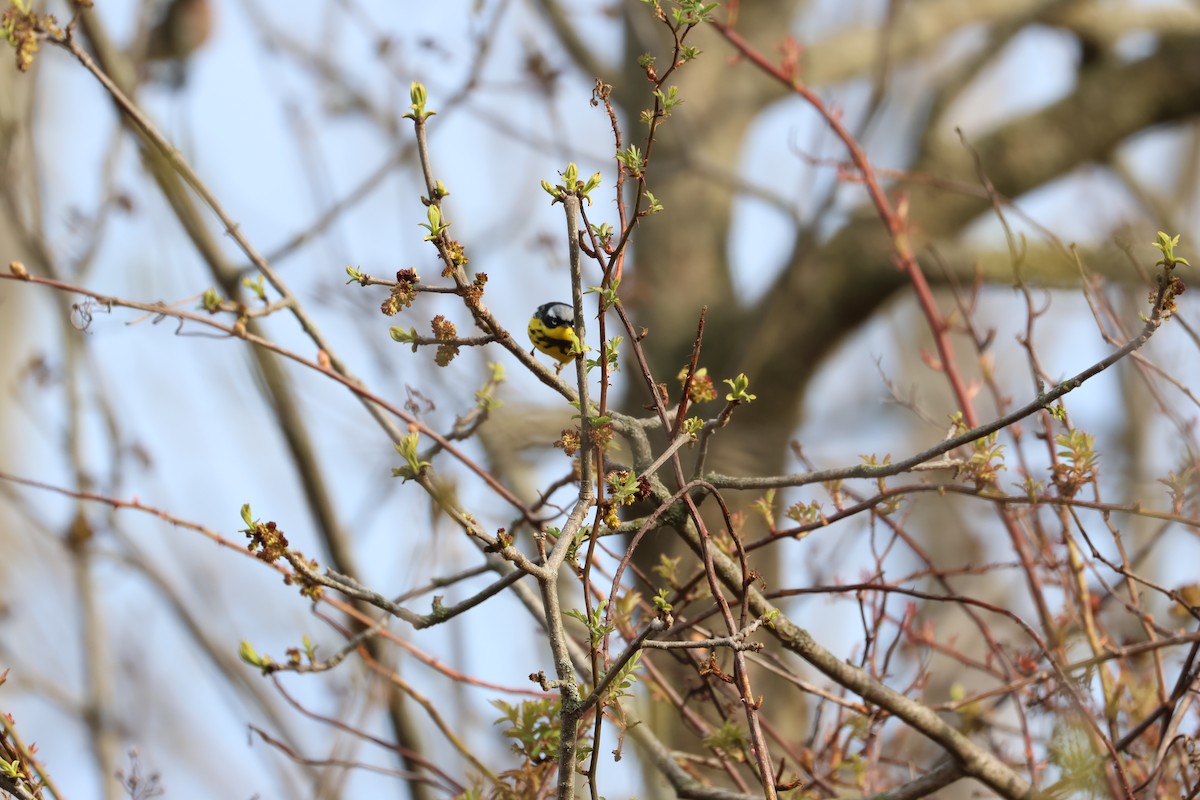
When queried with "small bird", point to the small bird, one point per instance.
{"points": [[552, 330], [183, 27]]}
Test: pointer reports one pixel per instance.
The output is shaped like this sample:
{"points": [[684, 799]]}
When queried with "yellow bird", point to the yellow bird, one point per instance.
{"points": [[552, 330]]}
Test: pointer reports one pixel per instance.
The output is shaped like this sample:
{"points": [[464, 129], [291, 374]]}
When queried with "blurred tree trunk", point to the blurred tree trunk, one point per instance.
{"points": [[15, 155], [17, 306]]}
